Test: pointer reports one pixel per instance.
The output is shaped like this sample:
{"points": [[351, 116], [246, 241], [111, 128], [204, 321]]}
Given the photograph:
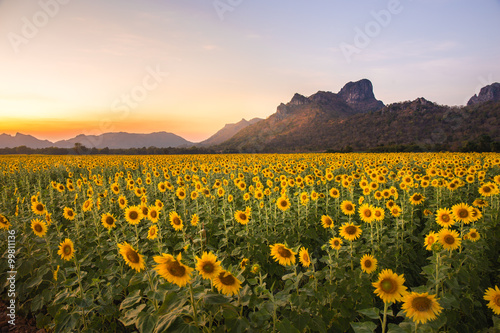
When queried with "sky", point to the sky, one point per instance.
{"points": [[188, 67]]}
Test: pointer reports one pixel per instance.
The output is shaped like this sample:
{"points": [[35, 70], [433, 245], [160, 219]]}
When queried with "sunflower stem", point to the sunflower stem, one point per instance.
{"points": [[384, 321], [153, 288], [193, 304], [437, 274]]}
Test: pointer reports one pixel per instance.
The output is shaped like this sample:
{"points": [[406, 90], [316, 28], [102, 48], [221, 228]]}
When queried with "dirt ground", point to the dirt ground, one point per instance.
{"points": [[23, 325]]}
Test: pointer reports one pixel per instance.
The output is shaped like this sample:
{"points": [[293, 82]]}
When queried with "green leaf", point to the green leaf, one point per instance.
{"points": [[285, 326], [133, 298], [213, 298], [364, 327], [130, 316], [37, 303], [393, 328], [146, 322], [372, 313]]}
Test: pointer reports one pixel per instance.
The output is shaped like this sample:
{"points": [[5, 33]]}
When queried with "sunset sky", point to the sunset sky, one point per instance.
{"points": [[191, 66]]}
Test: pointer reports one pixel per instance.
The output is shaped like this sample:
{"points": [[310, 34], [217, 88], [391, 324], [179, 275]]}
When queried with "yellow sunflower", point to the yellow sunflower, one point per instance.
{"points": [[350, 231], [153, 232], [194, 220], [133, 215], [69, 213], [39, 227], [368, 263], [421, 308], [366, 213], [181, 193], [417, 199], [38, 208], [378, 214], [108, 221], [334, 193], [227, 283], [486, 190], [122, 201], [430, 239], [449, 239], [283, 203], [208, 266], [444, 218], [87, 205], [396, 211], [172, 270], [4, 222], [304, 257], [347, 207], [175, 221], [473, 235], [282, 254], [66, 249], [326, 222], [336, 243], [244, 262], [462, 213], [389, 286], [131, 256], [153, 213], [493, 295], [242, 217]]}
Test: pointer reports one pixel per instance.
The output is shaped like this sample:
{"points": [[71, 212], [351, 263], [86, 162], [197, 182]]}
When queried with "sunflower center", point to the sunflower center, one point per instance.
{"points": [[176, 269], [388, 286], [145, 211], [486, 189], [243, 216], [417, 197], [153, 214], [421, 304], [328, 222], [430, 240], [176, 221], [445, 218], [348, 207], [368, 263], [473, 234], [283, 203], [133, 257], [378, 214], [368, 213], [122, 202], [449, 239], [305, 257], [38, 228], [285, 253], [208, 268], [496, 300], [39, 207], [336, 243], [109, 220], [152, 232], [67, 249], [351, 230], [227, 280], [463, 213], [133, 215]]}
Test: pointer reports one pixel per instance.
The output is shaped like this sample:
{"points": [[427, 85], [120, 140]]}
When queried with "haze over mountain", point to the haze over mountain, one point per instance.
{"points": [[228, 131]]}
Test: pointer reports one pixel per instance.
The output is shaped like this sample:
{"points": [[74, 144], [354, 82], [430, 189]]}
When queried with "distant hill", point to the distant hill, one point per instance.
{"points": [[227, 132], [8, 141]]}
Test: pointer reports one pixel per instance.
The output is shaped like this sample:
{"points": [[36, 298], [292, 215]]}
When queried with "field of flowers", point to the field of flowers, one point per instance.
{"points": [[256, 243]]}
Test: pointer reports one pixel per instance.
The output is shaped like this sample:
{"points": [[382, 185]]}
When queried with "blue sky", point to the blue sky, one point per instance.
{"points": [[217, 66]]}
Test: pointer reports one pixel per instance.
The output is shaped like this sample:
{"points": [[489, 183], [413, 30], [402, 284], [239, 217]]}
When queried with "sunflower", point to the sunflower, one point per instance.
{"points": [[347, 207], [255, 269], [283, 255], [144, 209], [226, 283], [396, 211], [350, 231], [430, 239], [368, 263], [87, 205], [69, 213], [462, 213], [334, 193], [244, 262], [449, 239], [473, 235], [115, 188], [181, 193], [108, 221], [133, 215], [66, 249], [480, 203], [326, 222], [486, 190], [131, 256], [175, 221], [208, 266], [389, 286], [417, 199], [38, 208], [378, 214], [336, 243], [159, 204], [444, 218], [421, 307], [4, 222], [55, 273], [172, 270], [194, 220], [122, 201], [153, 232], [153, 213], [39, 227], [493, 295], [476, 214], [242, 217], [304, 257], [366, 213], [283, 203]]}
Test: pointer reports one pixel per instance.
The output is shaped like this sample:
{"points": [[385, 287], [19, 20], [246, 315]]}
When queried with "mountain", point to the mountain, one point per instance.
{"points": [[8, 141], [487, 93], [299, 124], [122, 140], [227, 132], [354, 119]]}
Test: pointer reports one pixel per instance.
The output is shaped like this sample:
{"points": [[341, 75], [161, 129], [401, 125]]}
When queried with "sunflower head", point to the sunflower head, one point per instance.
{"points": [[132, 257], [348, 208], [153, 232], [350, 231], [208, 266], [108, 221], [421, 307], [493, 296], [304, 257], [282, 254], [38, 208], [326, 222], [39, 227], [449, 239], [283, 203], [462, 213], [336, 243], [172, 269], [227, 283], [133, 215], [389, 286], [4, 222], [242, 217], [444, 218], [66, 249], [473, 235], [175, 221], [368, 263]]}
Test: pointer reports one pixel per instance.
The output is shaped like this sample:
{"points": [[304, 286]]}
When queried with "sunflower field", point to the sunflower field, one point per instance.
{"points": [[397, 242]]}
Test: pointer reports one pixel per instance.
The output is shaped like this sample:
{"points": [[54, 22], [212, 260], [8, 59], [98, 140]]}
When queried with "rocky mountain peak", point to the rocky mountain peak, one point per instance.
{"points": [[487, 93], [298, 99], [359, 91]]}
